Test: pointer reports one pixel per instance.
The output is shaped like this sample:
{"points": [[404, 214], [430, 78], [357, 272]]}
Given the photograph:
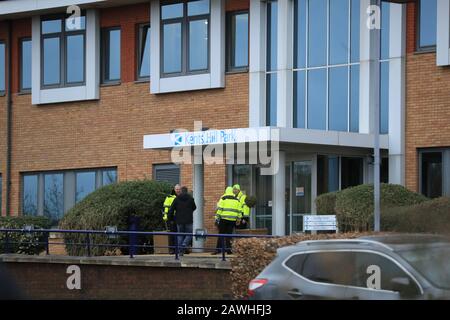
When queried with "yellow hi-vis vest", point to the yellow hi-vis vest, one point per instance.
{"points": [[167, 204], [245, 209], [229, 208]]}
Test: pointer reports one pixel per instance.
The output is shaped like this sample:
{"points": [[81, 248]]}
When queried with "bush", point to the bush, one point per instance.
{"points": [[254, 254], [354, 206], [114, 205], [431, 217], [326, 203], [24, 243]]}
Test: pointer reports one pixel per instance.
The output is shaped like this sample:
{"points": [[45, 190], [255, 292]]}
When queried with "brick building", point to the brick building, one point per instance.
{"points": [[103, 98]]}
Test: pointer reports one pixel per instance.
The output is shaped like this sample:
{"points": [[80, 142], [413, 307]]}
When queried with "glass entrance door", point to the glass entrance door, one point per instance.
{"points": [[300, 195], [263, 210]]}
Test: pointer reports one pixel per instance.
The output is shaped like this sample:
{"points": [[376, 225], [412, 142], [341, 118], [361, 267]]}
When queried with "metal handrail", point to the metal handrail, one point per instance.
{"points": [[88, 243]]}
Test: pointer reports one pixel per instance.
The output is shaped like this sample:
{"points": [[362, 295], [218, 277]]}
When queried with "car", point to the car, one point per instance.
{"points": [[378, 267]]}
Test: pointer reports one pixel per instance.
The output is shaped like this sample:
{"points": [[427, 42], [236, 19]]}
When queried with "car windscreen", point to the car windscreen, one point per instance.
{"points": [[432, 261]]}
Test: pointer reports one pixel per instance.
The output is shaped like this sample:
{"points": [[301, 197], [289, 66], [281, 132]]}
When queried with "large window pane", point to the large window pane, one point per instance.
{"points": [[85, 184], [354, 98], [112, 55], [431, 174], [54, 196], [338, 99], [317, 53], [30, 195], [109, 177], [299, 99], [75, 58], [172, 47], [385, 17], [327, 174], [198, 45], [271, 99], [384, 98], [172, 11], [239, 40], [242, 175], [51, 26], [2, 67], [427, 23], [355, 30], [339, 31], [300, 32], [144, 66], [52, 61], [25, 67], [351, 172], [198, 7], [317, 99], [272, 35]]}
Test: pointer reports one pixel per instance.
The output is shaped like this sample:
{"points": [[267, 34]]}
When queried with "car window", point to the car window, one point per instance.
{"points": [[377, 272], [324, 267]]}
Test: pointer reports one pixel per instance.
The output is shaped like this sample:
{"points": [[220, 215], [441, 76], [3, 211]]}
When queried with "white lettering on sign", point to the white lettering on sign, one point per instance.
{"points": [[374, 280], [74, 280]]}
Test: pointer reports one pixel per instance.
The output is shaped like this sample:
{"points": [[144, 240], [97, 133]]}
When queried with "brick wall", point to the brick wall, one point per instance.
{"points": [[427, 102], [48, 281], [109, 132]]}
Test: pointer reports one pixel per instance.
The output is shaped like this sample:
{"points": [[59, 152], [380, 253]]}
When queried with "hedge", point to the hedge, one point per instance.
{"points": [[254, 254], [114, 205], [24, 243], [431, 216], [326, 203], [354, 206]]}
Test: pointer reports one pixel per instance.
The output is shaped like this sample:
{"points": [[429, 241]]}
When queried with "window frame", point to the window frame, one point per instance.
{"points": [[139, 52], [165, 166], [62, 35], [21, 88], [185, 48], [445, 152], [104, 50], [3, 92], [419, 48], [230, 41]]}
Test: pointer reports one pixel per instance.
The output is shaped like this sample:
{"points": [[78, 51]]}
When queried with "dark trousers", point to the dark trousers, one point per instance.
{"points": [[225, 227], [184, 241], [172, 239]]}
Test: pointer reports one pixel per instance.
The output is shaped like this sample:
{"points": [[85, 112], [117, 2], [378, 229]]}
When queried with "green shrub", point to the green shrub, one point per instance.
{"points": [[431, 216], [326, 203], [354, 206], [113, 205], [24, 243]]}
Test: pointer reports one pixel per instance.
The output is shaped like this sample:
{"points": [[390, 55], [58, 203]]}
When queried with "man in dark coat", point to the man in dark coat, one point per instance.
{"points": [[184, 206]]}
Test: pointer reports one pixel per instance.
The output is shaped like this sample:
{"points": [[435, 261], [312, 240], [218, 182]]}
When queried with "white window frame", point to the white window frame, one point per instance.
{"points": [[88, 91], [215, 78]]}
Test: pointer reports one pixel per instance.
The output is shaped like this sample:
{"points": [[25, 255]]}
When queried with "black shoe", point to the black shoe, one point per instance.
{"points": [[187, 251]]}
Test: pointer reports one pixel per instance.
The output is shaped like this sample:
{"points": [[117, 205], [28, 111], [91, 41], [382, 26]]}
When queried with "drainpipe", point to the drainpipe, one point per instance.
{"points": [[9, 122]]}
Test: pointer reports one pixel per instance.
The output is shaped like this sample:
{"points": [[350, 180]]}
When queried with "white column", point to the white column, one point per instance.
{"points": [[257, 64], [443, 33], [155, 46], [285, 62], [198, 172], [397, 51], [365, 112], [278, 195]]}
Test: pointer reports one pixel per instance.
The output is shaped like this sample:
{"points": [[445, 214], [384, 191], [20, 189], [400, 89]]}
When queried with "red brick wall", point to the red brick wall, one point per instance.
{"points": [[427, 102], [110, 131], [44, 281]]}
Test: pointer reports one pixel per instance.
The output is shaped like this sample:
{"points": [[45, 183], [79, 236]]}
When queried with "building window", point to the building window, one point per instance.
{"points": [[2, 67], [143, 72], [271, 67], [326, 64], [52, 194], [63, 51], [111, 55], [185, 37], [25, 65], [1, 194], [166, 172], [237, 41], [434, 173], [427, 24]]}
